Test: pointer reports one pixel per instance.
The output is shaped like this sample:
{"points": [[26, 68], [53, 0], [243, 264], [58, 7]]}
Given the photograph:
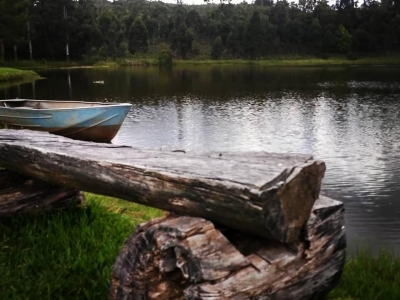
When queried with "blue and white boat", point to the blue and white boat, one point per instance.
{"points": [[88, 121]]}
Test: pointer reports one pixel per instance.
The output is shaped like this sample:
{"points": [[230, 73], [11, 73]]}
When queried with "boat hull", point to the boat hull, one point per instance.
{"points": [[87, 121]]}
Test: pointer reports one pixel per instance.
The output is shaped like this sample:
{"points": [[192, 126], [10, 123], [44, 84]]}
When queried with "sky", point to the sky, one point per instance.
{"points": [[197, 2], [200, 2]]}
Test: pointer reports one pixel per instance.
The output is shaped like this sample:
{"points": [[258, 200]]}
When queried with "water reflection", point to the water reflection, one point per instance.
{"points": [[346, 116]]}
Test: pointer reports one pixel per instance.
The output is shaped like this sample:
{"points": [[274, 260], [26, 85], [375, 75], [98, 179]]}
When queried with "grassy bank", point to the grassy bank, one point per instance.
{"points": [[70, 255], [13, 75], [369, 277], [65, 255], [153, 61], [272, 61], [293, 61]]}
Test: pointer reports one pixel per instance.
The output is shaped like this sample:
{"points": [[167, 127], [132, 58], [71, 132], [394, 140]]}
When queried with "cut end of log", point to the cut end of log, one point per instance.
{"points": [[188, 258], [289, 202]]}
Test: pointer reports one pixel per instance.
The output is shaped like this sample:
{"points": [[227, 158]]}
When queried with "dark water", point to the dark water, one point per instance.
{"points": [[349, 117]]}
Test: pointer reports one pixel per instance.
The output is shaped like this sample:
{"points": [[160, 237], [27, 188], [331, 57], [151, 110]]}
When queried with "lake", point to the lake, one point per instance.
{"points": [[347, 116]]}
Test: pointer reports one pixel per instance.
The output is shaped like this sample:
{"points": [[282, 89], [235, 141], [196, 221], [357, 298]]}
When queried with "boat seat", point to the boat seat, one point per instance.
{"points": [[35, 105]]}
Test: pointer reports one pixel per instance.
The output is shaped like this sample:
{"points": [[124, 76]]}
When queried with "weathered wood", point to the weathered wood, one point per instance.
{"points": [[188, 258], [20, 194], [265, 194]]}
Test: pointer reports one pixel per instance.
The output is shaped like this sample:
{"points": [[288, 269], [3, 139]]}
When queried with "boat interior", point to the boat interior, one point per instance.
{"points": [[20, 104], [43, 104]]}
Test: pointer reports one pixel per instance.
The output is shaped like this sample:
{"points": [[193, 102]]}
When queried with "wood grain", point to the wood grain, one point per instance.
{"points": [[20, 194], [269, 195], [189, 258]]}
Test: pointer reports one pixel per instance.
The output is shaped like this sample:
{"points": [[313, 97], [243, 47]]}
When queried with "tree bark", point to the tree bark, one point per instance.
{"points": [[15, 52], [20, 194], [269, 195], [189, 258], [67, 36], [2, 53], [29, 40]]}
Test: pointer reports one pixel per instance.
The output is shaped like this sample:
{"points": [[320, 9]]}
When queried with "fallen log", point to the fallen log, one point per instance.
{"points": [[268, 195], [20, 194], [189, 258]]}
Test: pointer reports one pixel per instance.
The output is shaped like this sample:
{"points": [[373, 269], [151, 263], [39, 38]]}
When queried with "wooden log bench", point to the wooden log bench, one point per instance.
{"points": [[242, 225], [21, 194]]}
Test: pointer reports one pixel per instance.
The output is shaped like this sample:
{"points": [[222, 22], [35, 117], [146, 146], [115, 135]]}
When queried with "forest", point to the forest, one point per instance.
{"points": [[101, 29]]}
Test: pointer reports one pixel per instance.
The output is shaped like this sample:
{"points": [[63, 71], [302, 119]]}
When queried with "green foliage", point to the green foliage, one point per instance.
{"points": [[254, 36], [13, 17], [351, 56], [361, 41], [196, 48], [343, 40], [152, 27], [217, 48], [181, 40], [165, 57], [328, 39], [138, 36], [369, 277], [99, 29], [313, 35], [123, 49]]}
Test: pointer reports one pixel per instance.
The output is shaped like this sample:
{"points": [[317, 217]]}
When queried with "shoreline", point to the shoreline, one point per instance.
{"points": [[12, 75], [60, 247], [153, 61]]}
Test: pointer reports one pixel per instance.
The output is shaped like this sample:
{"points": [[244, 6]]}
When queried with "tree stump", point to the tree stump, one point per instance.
{"points": [[21, 194], [180, 257]]}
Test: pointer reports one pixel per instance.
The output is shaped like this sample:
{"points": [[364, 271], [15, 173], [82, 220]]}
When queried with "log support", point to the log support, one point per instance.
{"points": [[179, 257], [21, 194]]}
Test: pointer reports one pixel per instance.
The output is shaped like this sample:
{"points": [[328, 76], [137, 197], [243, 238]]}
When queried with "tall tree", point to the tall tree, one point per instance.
{"points": [[13, 17], [235, 41], [181, 39], [343, 40], [217, 48], [138, 36], [254, 36]]}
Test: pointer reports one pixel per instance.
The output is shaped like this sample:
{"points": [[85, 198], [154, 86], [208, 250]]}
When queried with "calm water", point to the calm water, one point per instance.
{"points": [[348, 117]]}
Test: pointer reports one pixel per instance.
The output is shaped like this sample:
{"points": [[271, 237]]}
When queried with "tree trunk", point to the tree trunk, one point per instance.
{"points": [[67, 36], [29, 40], [189, 258], [2, 53], [15, 52], [265, 194], [67, 48], [20, 194]]}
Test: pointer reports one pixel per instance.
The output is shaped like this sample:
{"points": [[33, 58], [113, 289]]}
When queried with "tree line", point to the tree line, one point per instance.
{"points": [[97, 29]]}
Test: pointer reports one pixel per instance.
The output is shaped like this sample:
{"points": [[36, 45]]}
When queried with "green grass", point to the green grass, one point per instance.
{"points": [[69, 255], [290, 61], [150, 59], [44, 64], [108, 64], [138, 62], [369, 277], [12, 75], [65, 255]]}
